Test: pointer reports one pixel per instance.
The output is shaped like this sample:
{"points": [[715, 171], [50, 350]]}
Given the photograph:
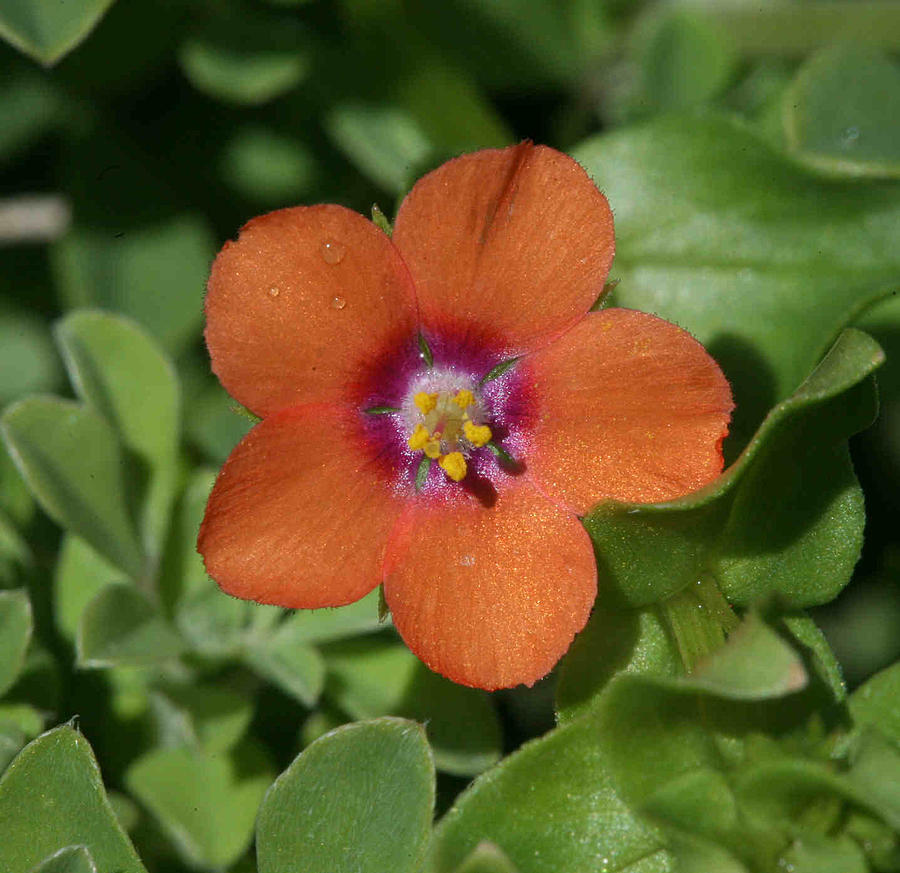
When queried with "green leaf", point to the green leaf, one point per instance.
{"points": [[214, 426], [617, 639], [450, 108], [875, 775], [877, 703], [183, 574], [206, 803], [842, 112], [218, 626], [150, 271], [486, 858], [121, 627], [29, 106], [383, 142], [550, 806], [211, 717], [266, 166], [374, 676], [28, 362], [754, 664], [358, 800], [295, 668], [71, 459], [315, 626], [48, 31], [79, 576], [16, 626], [683, 59], [817, 854], [71, 859], [764, 525], [52, 796], [245, 58], [651, 734], [698, 802], [762, 262], [821, 660], [119, 371]]}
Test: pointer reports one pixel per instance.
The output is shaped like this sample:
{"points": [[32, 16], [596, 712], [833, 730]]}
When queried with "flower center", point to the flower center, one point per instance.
{"points": [[446, 424]]}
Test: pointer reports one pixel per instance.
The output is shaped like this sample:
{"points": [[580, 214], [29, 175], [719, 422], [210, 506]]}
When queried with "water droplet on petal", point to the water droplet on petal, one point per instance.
{"points": [[467, 561], [333, 252], [274, 292], [338, 302]]}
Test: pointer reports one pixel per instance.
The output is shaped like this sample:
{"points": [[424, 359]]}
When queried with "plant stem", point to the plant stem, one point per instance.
{"points": [[700, 618]]}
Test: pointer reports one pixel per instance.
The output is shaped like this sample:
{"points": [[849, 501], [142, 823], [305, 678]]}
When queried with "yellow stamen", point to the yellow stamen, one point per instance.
{"points": [[454, 465], [425, 402], [419, 438], [477, 434], [464, 398], [432, 449]]}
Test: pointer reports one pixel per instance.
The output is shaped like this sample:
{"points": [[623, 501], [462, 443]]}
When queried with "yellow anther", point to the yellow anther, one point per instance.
{"points": [[425, 402], [454, 465], [464, 398], [433, 449], [419, 438], [477, 434]]}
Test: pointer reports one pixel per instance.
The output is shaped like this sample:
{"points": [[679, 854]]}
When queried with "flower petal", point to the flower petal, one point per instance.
{"points": [[301, 512], [628, 407], [300, 304], [490, 596], [513, 244]]}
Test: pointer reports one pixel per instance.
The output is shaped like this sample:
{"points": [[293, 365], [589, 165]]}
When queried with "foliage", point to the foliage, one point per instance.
{"points": [[701, 722]]}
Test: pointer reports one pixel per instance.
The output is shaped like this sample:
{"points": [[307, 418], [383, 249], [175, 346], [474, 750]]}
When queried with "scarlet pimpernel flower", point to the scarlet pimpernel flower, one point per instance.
{"points": [[438, 408]]}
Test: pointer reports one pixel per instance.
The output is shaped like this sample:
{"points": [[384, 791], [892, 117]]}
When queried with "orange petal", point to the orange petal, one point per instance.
{"points": [[301, 512], [298, 306], [509, 243], [628, 407], [490, 596]]}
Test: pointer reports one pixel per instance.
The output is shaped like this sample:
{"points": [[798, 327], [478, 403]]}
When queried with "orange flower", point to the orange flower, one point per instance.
{"points": [[384, 453]]}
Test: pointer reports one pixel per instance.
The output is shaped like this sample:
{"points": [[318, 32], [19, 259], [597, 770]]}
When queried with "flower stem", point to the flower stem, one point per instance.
{"points": [[699, 618]]}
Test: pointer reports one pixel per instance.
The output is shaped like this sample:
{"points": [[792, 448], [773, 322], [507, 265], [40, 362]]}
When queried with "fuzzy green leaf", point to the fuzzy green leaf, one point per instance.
{"points": [[374, 676], [71, 859], [121, 627], [73, 462], [842, 112], [123, 374], [47, 31], [51, 797], [550, 806], [877, 703], [358, 800], [16, 625], [207, 803]]}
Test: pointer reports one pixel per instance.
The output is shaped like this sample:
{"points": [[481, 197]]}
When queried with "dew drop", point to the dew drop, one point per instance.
{"points": [[274, 292], [333, 252], [338, 302], [467, 561]]}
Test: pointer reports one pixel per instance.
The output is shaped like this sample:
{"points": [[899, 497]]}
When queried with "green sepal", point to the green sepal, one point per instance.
{"points": [[497, 371], [379, 219], [425, 351], [502, 455], [422, 472]]}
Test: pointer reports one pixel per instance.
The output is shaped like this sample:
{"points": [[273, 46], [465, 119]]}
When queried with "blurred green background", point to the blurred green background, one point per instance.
{"points": [[137, 136]]}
